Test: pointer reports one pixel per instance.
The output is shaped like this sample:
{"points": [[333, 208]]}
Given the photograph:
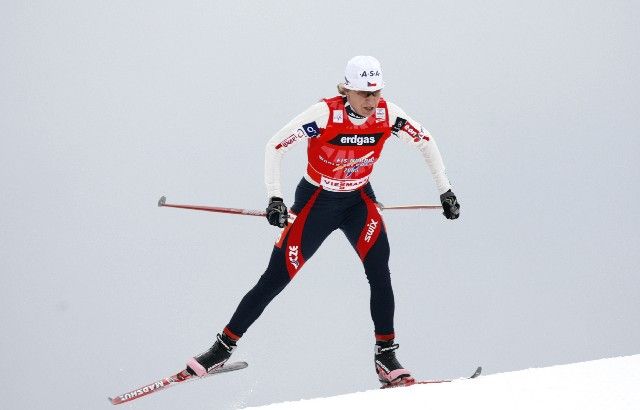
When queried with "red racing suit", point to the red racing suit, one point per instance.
{"points": [[342, 157], [343, 148], [336, 194]]}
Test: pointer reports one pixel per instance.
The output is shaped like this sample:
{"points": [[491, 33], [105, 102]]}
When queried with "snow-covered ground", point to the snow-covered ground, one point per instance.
{"points": [[600, 384]]}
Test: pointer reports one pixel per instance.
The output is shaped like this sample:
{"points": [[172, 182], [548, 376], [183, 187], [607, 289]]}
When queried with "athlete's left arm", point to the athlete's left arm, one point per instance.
{"points": [[412, 132]]}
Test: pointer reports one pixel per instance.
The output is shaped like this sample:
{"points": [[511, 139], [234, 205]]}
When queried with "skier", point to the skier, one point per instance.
{"points": [[345, 135]]}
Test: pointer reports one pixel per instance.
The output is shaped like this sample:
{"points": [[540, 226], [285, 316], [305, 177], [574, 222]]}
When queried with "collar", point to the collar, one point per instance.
{"points": [[352, 113]]}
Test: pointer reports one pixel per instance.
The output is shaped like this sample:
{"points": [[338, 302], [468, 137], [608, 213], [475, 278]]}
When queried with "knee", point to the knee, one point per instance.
{"points": [[272, 281], [379, 277]]}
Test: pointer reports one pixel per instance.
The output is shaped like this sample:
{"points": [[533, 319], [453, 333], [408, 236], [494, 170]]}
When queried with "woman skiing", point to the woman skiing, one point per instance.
{"points": [[345, 136]]}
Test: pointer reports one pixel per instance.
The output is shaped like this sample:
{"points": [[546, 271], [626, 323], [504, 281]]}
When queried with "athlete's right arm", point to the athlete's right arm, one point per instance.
{"points": [[306, 125]]}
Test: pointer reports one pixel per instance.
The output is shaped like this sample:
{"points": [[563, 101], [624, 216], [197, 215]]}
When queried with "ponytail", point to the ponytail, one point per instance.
{"points": [[341, 89]]}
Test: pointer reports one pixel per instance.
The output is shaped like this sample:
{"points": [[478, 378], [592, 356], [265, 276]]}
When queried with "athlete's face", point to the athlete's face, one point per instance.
{"points": [[364, 102]]}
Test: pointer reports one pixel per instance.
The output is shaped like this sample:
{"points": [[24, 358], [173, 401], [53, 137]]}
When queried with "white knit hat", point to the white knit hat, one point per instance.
{"points": [[363, 73]]}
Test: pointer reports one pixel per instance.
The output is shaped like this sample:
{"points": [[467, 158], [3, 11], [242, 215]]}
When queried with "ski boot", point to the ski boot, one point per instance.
{"points": [[213, 358], [389, 370]]}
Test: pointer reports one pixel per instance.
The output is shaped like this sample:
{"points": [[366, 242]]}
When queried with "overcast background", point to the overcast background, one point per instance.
{"points": [[107, 105]]}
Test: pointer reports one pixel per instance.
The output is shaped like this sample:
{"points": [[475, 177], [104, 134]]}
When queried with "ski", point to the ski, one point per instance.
{"points": [[412, 381], [180, 377]]}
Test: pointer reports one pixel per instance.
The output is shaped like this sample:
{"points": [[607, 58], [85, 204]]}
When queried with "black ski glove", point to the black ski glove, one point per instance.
{"points": [[277, 212], [450, 205]]}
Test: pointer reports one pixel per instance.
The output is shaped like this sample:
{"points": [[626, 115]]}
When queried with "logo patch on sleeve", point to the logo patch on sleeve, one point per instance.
{"points": [[399, 124], [404, 125], [299, 133], [311, 129]]}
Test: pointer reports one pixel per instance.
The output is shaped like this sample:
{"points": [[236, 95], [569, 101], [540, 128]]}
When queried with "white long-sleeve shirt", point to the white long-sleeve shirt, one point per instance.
{"points": [[294, 132]]}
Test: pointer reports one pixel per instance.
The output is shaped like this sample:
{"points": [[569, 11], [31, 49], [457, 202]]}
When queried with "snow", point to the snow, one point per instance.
{"points": [[599, 384]]}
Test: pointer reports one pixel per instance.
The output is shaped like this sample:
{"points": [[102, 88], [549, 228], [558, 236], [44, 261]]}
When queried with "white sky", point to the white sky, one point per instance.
{"points": [[107, 105]]}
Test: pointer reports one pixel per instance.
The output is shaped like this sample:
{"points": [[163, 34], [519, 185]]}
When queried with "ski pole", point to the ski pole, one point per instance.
{"points": [[163, 202], [417, 206]]}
